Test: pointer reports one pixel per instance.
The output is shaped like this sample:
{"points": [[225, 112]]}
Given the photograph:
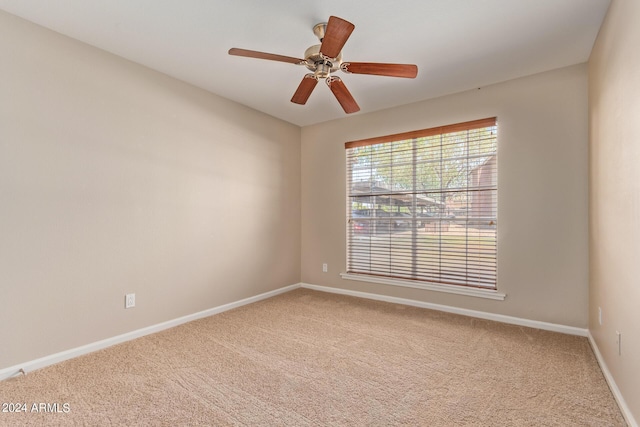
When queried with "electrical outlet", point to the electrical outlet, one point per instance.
{"points": [[325, 268], [129, 300], [600, 315]]}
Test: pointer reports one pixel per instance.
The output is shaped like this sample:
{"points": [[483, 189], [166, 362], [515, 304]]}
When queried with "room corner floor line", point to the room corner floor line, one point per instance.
{"points": [[626, 412], [571, 330], [25, 368]]}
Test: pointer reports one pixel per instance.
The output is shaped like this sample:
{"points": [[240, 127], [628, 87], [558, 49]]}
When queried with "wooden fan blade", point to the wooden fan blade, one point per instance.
{"points": [[342, 94], [409, 71], [263, 55], [336, 35], [303, 92]]}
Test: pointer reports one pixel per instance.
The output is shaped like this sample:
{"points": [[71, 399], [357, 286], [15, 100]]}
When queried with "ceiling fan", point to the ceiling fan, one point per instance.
{"points": [[325, 58]]}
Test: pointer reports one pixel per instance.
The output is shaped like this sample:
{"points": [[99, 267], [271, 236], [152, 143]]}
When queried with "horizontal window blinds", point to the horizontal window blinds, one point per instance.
{"points": [[422, 205]]}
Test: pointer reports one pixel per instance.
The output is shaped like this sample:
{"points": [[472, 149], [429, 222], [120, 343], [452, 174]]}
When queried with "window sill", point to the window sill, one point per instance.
{"points": [[451, 289]]}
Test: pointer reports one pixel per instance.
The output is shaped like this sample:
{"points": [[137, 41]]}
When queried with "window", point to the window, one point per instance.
{"points": [[422, 205]]}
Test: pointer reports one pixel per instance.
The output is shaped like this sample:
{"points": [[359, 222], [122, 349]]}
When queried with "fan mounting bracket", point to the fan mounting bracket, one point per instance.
{"points": [[319, 30]]}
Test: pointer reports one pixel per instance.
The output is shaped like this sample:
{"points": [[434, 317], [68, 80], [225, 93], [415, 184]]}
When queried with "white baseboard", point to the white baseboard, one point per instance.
{"points": [[89, 348], [99, 345], [626, 412], [571, 330]]}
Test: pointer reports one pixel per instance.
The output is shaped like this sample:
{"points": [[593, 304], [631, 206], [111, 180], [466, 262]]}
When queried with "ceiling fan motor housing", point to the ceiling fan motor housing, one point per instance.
{"points": [[321, 66]]}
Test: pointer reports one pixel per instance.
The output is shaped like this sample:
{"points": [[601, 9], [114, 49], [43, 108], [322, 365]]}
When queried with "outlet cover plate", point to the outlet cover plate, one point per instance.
{"points": [[129, 300]]}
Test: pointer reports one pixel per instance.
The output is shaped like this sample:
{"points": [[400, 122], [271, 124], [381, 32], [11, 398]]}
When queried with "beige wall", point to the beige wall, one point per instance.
{"points": [[543, 201], [117, 179], [614, 202]]}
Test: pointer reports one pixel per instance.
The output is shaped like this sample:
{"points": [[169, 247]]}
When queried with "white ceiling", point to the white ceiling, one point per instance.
{"points": [[457, 44]]}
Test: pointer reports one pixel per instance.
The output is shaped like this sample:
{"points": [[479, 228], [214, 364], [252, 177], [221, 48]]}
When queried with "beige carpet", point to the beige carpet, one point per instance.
{"points": [[311, 358]]}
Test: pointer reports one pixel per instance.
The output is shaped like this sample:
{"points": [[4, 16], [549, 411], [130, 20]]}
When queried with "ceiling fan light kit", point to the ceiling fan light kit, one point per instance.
{"points": [[326, 58]]}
